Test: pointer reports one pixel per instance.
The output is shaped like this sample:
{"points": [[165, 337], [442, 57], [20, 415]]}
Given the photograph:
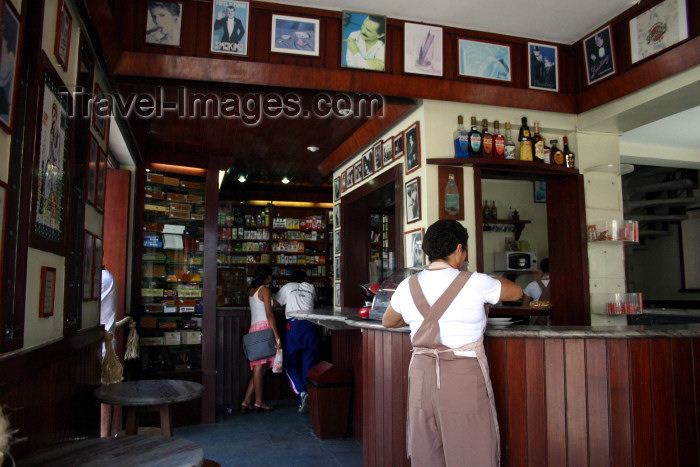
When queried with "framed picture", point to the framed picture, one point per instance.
{"points": [[412, 148], [540, 190], [101, 179], [47, 293], [658, 28], [3, 216], [422, 49], [377, 156], [358, 171], [343, 182], [363, 41], [337, 294], [350, 172], [542, 63], [101, 111], [229, 27], [451, 192], [398, 146], [484, 60], [367, 163], [295, 35], [93, 165], [88, 264], [61, 44], [336, 242], [412, 195], [336, 267], [598, 55], [97, 270], [8, 64], [413, 244], [336, 189], [163, 23], [336, 215], [387, 151]]}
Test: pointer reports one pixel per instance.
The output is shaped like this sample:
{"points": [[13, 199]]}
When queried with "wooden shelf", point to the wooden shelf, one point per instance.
{"points": [[506, 168]]}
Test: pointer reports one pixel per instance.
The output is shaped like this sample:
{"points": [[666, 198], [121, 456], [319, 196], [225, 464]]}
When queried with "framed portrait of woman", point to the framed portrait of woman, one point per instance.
{"points": [[163, 23]]}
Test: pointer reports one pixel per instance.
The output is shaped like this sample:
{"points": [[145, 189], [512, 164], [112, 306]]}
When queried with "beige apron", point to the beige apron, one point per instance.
{"points": [[426, 341]]}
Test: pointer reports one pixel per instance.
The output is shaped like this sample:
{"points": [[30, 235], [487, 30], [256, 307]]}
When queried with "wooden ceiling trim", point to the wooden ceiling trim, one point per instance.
{"points": [[100, 14], [366, 133]]}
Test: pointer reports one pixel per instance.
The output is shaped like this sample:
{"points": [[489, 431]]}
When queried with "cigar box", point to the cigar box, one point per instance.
{"points": [[146, 341], [195, 185], [191, 337], [147, 322], [172, 181], [154, 194], [172, 338], [154, 178], [175, 197]]}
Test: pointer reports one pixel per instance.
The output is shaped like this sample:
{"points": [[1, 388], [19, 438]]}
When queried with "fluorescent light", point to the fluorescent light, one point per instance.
{"points": [[221, 176]]}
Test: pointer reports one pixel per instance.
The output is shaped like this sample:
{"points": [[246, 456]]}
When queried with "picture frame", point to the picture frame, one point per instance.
{"points": [[163, 23], [92, 168], [224, 40], [412, 137], [387, 151], [540, 191], [343, 181], [542, 65], [377, 152], [10, 60], [336, 242], [101, 110], [350, 175], [422, 49], [61, 44], [444, 173], [97, 269], [3, 216], [413, 242], [336, 189], [368, 163], [295, 35], [88, 264], [362, 57], [413, 200], [358, 171], [47, 292], [337, 294], [398, 146], [658, 28], [485, 60], [336, 215], [101, 180], [336, 268], [599, 56]]}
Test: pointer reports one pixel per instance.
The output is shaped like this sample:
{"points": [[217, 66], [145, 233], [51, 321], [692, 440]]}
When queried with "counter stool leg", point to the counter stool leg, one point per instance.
{"points": [[166, 422]]}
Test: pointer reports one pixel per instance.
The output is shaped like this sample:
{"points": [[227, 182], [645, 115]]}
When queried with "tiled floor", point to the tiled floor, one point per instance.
{"points": [[282, 437]]}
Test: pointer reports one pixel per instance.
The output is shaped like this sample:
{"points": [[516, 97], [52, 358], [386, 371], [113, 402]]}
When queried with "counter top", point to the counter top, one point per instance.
{"points": [[347, 318]]}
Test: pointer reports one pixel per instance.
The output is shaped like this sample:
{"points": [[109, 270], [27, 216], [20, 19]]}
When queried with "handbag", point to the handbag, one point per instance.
{"points": [[259, 344]]}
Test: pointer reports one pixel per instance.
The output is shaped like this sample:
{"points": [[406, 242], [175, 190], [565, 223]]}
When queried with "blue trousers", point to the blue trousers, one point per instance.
{"points": [[301, 352]]}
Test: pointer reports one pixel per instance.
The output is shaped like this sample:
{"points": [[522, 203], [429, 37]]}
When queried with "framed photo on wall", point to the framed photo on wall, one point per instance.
{"points": [[229, 27], [368, 163], [388, 151], [540, 191], [398, 146], [422, 49], [343, 181], [350, 176], [599, 57], [363, 50], [658, 28], [358, 171], [47, 293], [295, 35], [413, 245], [542, 65], [377, 156], [163, 23], [412, 196], [336, 189], [8, 62], [61, 45], [412, 137], [484, 60]]}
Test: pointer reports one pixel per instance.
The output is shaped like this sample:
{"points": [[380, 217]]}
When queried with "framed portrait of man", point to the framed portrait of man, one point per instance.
{"points": [[412, 148], [229, 27], [413, 245], [388, 151], [542, 66], [367, 163], [364, 41], [599, 58], [377, 155], [412, 195]]}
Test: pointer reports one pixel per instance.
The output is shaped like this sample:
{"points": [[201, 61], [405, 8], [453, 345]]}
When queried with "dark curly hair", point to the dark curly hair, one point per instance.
{"points": [[442, 238], [262, 271]]}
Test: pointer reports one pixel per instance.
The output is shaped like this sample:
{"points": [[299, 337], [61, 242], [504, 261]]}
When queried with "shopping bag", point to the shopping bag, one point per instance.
{"points": [[277, 364], [259, 344]]}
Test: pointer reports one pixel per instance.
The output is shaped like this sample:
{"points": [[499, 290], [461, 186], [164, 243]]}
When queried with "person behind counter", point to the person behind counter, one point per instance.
{"points": [[539, 288], [261, 318], [451, 410]]}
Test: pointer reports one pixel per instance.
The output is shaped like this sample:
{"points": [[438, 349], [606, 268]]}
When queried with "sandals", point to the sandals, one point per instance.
{"points": [[246, 407], [263, 407]]}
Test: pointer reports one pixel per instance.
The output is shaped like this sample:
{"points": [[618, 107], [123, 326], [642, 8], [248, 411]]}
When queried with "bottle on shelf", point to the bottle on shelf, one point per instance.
{"points": [[451, 196], [556, 154], [499, 142], [547, 153], [486, 139], [461, 139], [493, 211], [487, 210], [569, 155], [538, 145], [509, 148], [474, 140], [525, 140]]}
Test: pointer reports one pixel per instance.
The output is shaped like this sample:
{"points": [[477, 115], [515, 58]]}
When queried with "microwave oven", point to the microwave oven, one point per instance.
{"points": [[515, 261]]}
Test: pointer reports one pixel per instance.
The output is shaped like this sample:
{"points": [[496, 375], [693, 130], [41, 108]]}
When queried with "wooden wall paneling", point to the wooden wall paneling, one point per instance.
{"points": [[516, 400], [383, 399], [369, 441], [555, 381], [662, 413], [202, 40], [497, 352], [189, 18], [620, 403], [642, 424], [388, 354], [346, 345], [598, 408], [535, 401], [684, 409], [406, 354], [576, 404]]}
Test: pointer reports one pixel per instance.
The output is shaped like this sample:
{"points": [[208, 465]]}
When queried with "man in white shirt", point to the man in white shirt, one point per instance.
{"points": [[365, 48], [301, 341]]}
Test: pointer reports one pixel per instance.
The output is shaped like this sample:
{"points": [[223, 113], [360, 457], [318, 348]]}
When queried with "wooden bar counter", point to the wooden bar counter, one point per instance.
{"points": [[602, 396]]}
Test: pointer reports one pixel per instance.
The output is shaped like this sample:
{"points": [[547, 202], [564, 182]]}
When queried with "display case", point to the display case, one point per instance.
{"points": [[172, 274]]}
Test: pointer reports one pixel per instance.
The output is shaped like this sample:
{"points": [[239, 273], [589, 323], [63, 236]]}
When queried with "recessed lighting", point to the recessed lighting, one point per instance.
{"points": [[242, 178], [285, 180], [312, 148]]}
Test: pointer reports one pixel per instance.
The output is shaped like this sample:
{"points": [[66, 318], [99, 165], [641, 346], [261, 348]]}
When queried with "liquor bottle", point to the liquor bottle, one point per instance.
{"points": [[525, 140], [486, 139], [451, 196], [569, 155], [487, 210], [547, 153], [509, 149], [538, 144], [494, 211], [461, 139], [499, 142], [474, 140], [556, 154]]}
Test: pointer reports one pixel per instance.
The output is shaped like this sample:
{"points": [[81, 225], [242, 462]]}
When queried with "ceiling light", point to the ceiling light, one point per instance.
{"points": [[345, 112], [285, 180], [312, 148], [242, 178]]}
